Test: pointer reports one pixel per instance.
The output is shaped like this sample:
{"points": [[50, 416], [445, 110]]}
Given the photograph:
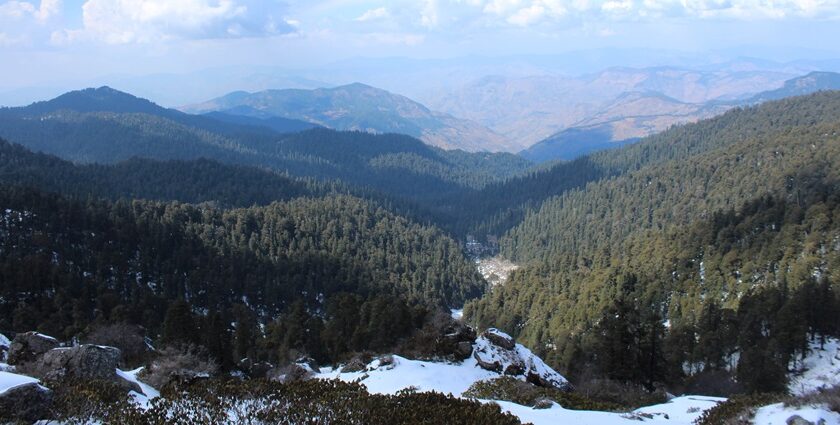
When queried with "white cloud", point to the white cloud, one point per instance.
{"points": [[373, 14], [7, 40], [429, 14], [21, 9], [139, 21]]}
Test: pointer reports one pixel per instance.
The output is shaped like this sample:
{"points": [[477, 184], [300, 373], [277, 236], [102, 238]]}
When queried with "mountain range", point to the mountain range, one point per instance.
{"points": [[363, 108]]}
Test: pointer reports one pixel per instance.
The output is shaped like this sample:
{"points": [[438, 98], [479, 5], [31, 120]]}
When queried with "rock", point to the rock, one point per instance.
{"points": [[543, 403], [26, 403], [496, 351], [255, 370], [85, 362], [27, 347], [308, 363], [356, 364], [291, 373], [499, 338], [456, 342], [799, 420], [463, 350]]}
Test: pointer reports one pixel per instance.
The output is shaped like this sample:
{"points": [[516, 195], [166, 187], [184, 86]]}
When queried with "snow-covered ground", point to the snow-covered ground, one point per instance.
{"points": [[821, 369], [778, 414], [455, 378], [10, 380], [149, 393]]}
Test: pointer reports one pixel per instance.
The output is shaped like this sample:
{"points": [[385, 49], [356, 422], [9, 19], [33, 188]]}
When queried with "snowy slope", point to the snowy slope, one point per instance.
{"points": [[821, 369], [778, 414], [455, 378]]}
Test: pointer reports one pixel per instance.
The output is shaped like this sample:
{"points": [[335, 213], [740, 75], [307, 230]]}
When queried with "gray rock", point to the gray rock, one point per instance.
{"points": [[799, 420], [85, 362], [27, 347], [499, 338], [463, 350], [26, 403]]}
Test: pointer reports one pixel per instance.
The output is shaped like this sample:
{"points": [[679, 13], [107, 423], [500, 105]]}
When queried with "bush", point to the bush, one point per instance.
{"points": [[216, 401], [630, 396], [829, 397], [527, 394], [182, 363], [738, 410]]}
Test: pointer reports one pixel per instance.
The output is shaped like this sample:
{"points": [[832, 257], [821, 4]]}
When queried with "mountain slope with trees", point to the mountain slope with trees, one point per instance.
{"points": [[726, 224]]}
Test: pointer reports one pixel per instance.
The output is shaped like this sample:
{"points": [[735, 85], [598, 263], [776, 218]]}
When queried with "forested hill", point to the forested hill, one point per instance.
{"points": [[724, 230], [108, 126], [67, 265], [503, 205], [193, 181]]}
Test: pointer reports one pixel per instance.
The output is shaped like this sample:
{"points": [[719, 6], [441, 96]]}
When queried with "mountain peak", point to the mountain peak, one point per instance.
{"points": [[101, 99]]}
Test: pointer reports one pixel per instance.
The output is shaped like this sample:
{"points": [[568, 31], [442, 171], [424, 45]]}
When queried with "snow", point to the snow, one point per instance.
{"points": [[457, 313], [149, 393], [45, 336], [4, 342], [520, 358], [821, 369], [456, 378], [12, 380], [778, 414], [447, 378], [679, 411]]}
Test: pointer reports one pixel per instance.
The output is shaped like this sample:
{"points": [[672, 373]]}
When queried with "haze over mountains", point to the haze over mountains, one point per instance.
{"points": [[363, 108]]}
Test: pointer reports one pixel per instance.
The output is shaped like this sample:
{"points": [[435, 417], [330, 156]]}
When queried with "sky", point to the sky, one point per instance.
{"points": [[65, 40]]}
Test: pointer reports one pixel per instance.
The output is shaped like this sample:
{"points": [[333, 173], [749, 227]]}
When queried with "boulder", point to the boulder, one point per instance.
{"points": [[85, 362], [496, 351], [255, 370], [799, 420], [499, 338], [356, 364], [27, 347], [25, 403], [456, 342]]}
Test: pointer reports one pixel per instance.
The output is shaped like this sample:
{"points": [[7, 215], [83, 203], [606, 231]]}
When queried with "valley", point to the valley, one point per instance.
{"points": [[604, 236]]}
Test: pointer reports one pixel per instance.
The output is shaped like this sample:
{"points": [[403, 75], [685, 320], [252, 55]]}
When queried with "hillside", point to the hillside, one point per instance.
{"points": [[395, 164], [362, 108], [810, 83], [726, 221]]}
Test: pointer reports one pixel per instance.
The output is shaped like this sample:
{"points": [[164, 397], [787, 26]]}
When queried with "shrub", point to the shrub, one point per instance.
{"points": [[216, 401], [181, 363], [630, 396], [524, 393], [737, 410]]}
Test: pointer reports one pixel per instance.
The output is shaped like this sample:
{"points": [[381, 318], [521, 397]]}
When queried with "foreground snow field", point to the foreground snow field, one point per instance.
{"points": [[455, 378]]}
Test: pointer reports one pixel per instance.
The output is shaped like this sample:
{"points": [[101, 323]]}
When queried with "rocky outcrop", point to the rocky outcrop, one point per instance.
{"points": [[28, 347], [456, 342], [496, 351], [85, 362]]}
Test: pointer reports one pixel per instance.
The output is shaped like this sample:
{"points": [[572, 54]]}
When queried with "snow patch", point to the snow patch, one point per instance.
{"points": [[457, 313], [149, 393], [9, 381], [4, 342], [820, 369], [778, 414]]}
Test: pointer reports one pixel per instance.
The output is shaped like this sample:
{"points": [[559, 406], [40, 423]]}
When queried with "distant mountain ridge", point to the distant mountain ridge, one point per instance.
{"points": [[361, 107], [637, 114]]}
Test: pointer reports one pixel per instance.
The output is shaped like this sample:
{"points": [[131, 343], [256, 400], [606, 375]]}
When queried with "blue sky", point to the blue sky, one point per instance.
{"points": [[48, 40]]}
